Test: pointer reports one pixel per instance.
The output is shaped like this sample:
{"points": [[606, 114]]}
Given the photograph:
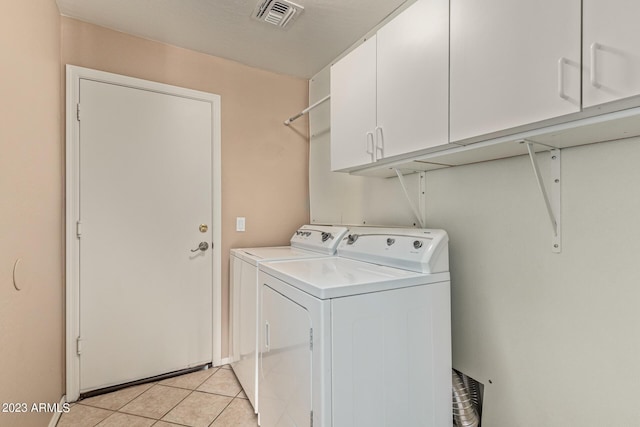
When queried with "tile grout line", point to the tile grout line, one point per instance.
{"points": [[170, 422], [80, 402], [191, 392], [174, 406], [204, 391], [93, 407], [188, 388], [232, 399], [222, 412], [133, 415], [171, 409]]}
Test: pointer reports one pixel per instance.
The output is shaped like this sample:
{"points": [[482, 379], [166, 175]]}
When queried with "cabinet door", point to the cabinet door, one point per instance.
{"points": [[513, 62], [413, 79], [611, 50], [353, 107]]}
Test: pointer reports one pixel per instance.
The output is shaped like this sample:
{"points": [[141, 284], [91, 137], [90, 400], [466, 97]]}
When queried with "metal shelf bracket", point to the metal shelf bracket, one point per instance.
{"points": [[415, 210], [551, 197]]}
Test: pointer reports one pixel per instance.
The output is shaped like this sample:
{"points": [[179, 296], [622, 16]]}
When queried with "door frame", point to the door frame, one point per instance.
{"points": [[72, 181]]}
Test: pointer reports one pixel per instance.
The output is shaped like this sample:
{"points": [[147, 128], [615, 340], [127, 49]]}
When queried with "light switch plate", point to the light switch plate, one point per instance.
{"points": [[240, 223]]}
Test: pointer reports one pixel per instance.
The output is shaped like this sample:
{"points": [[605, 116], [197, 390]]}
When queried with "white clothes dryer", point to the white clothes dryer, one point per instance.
{"points": [[362, 339], [309, 241]]}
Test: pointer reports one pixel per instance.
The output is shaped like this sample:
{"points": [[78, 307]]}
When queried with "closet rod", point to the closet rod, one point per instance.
{"points": [[305, 111]]}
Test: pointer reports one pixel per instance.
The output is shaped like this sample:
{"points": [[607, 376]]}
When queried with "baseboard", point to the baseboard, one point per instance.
{"points": [[56, 415], [225, 361]]}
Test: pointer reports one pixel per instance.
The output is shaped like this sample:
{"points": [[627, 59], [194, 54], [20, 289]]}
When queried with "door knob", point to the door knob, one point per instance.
{"points": [[203, 246]]}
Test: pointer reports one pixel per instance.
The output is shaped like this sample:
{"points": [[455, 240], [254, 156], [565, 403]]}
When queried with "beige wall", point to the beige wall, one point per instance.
{"points": [[31, 208], [264, 163]]}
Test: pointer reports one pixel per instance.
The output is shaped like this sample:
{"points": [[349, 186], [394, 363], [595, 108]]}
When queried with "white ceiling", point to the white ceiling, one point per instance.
{"points": [[225, 28]]}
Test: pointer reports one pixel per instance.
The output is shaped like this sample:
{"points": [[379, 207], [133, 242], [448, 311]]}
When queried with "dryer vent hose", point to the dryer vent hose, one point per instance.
{"points": [[464, 413]]}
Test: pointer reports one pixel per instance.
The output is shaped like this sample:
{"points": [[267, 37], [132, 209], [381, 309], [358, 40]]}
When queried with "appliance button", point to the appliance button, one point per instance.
{"points": [[417, 244], [390, 241]]}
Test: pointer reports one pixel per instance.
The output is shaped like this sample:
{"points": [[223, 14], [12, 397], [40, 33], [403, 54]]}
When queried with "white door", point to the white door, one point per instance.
{"points": [[413, 79], [611, 50], [353, 107], [145, 188], [513, 62]]}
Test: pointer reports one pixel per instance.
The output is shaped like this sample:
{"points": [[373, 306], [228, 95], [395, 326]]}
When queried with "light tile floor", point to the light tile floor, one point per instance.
{"points": [[211, 397]]}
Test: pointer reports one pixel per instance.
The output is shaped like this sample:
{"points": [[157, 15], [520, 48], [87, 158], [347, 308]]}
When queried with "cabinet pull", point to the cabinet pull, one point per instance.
{"points": [[592, 72], [370, 146], [561, 63], [379, 143]]}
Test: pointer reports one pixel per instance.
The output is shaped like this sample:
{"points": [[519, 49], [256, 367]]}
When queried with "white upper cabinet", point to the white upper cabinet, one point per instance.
{"points": [[611, 50], [413, 80], [353, 107], [513, 62], [389, 96]]}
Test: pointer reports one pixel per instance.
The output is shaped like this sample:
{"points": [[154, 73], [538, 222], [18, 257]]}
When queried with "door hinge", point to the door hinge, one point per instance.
{"points": [[78, 111], [78, 229], [78, 346], [311, 339]]}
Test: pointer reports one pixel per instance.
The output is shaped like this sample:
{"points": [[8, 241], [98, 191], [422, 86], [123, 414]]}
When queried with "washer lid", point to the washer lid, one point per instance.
{"points": [[256, 255], [334, 277]]}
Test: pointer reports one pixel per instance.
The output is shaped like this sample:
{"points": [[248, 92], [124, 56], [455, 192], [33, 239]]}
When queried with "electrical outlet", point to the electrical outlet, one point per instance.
{"points": [[240, 223]]}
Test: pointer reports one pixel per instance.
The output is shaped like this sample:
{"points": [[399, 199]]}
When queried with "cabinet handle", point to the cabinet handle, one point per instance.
{"points": [[561, 63], [592, 74], [370, 146], [379, 143]]}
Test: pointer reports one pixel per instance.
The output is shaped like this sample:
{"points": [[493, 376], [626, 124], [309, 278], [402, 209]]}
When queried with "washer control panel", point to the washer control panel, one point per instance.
{"points": [[421, 250], [319, 238]]}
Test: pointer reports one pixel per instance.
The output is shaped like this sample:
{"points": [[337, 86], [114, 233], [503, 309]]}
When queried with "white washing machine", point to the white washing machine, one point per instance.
{"points": [[362, 339], [309, 241]]}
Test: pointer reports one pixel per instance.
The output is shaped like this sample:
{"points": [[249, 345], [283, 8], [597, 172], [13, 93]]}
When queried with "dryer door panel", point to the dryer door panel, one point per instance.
{"points": [[391, 358], [285, 362]]}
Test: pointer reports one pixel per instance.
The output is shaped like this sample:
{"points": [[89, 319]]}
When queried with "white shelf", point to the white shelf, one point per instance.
{"points": [[581, 131]]}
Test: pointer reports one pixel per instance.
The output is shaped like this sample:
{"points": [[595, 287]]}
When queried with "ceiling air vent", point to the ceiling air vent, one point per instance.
{"points": [[280, 13]]}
